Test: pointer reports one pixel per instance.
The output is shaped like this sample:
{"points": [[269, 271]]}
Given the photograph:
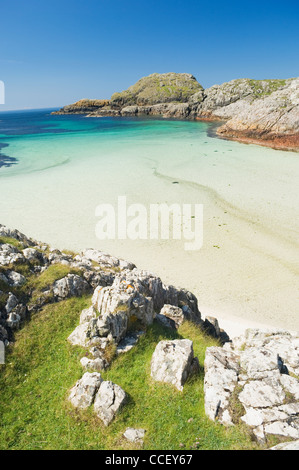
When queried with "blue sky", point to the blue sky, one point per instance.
{"points": [[56, 52]]}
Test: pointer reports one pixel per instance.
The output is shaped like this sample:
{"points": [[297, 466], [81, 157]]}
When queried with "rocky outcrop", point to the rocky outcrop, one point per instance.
{"points": [[83, 106], [273, 118], [23, 261], [255, 379], [156, 89], [261, 111], [133, 299]]}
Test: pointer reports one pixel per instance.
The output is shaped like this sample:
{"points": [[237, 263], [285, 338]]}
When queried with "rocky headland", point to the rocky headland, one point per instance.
{"points": [[265, 112], [253, 379]]}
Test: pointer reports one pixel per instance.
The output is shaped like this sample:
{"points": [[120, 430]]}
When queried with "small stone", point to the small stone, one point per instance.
{"points": [[135, 435]]}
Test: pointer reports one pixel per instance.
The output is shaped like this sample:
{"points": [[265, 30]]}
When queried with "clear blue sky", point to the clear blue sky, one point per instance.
{"points": [[56, 52]]}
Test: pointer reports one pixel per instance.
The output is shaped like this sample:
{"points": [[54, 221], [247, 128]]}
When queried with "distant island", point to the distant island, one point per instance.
{"points": [[264, 112]]}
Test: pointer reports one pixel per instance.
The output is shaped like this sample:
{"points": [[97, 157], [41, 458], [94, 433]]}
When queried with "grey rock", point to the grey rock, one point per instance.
{"points": [[294, 445], [11, 303], [10, 255], [13, 233], [69, 286], [262, 393], [134, 435], [87, 315], [172, 362], [105, 260], [79, 336], [83, 393], [211, 326], [128, 342], [258, 364], [13, 321], [173, 313], [108, 401], [221, 377], [15, 279], [98, 364]]}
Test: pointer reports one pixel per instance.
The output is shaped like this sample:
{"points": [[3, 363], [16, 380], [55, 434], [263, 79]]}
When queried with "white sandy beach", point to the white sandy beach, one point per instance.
{"points": [[246, 273]]}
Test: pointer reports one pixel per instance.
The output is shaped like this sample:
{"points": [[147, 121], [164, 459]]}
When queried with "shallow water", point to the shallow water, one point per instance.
{"points": [[61, 167]]}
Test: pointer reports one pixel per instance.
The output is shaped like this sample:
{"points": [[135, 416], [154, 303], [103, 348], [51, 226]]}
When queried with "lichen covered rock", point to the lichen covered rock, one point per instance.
{"points": [[172, 362], [255, 378]]}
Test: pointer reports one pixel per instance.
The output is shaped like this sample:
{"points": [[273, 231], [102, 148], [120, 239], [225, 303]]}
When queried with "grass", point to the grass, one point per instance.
{"points": [[54, 272], [12, 241], [41, 367]]}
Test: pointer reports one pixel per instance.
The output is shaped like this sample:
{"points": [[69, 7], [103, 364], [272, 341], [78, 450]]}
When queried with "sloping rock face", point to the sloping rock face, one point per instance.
{"points": [[256, 379], [274, 117], [229, 99]]}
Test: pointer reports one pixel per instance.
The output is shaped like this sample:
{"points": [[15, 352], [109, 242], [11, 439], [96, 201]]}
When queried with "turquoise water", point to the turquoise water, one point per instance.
{"points": [[55, 171], [38, 141]]}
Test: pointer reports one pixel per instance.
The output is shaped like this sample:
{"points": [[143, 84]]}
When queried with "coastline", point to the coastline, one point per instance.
{"points": [[246, 268], [262, 112]]}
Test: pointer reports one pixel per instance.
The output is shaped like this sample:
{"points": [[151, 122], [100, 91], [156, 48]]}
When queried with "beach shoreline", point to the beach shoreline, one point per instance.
{"points": [[246, 270]]}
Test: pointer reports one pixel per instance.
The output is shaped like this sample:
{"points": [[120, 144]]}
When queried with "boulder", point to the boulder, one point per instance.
{"points": [[172, 313], [83, 393], [172, 362], [15, 279], [108, 401], [70, 286], [79, 336], [11, 303]]}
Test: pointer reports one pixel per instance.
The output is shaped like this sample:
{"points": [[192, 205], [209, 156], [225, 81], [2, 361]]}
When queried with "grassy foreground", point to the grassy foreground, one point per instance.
{"points": [[41, 367]]}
